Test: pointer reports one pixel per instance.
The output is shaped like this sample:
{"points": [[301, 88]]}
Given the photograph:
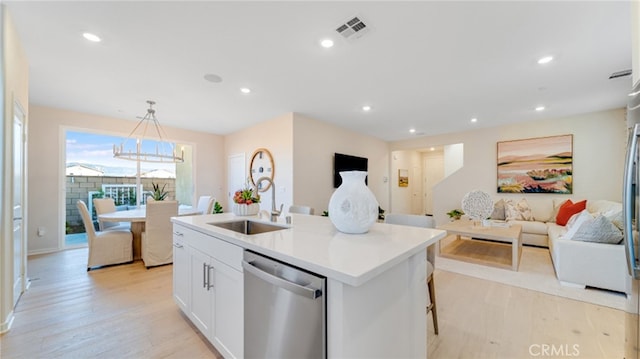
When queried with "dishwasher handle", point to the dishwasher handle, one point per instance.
{"points": [[295, 288]]}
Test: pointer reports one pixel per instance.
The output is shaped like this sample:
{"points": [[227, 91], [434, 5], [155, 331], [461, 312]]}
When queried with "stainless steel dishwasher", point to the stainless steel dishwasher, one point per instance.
{"points": [[284, 310]]}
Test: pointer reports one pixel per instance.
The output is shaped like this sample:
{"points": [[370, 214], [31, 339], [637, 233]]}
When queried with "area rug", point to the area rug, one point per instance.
{"points": [[535, 273]]}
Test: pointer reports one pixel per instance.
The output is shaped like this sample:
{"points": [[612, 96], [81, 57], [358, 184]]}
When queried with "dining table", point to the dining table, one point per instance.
{"points": [[137, 218]]}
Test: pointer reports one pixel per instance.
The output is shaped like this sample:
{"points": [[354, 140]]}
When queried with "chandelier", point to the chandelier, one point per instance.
{"points": [[156, 148]]}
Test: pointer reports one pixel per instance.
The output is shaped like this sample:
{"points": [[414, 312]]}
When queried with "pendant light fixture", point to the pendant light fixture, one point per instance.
{"points": [[156, 148]]}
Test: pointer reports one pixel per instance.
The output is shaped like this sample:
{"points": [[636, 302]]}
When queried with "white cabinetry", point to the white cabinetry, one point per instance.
{"points": [[208, 287], [181, 281], [228, 328], [202, 292]]}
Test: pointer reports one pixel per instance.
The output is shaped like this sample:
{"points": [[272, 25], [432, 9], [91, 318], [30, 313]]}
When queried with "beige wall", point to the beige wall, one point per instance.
{"points": [[303, 151], [276, 135], [599, 141], [14, 71], [46, 165], [314, 143], [401, 197]]}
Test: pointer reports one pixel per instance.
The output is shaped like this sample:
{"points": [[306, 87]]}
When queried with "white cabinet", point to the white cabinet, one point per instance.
{"points": [[208, 287], [202, 293], [181, 281], [229, 303]]}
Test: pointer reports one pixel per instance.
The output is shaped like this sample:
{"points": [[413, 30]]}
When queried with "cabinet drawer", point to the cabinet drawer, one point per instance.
{"points": [[225, 252]]}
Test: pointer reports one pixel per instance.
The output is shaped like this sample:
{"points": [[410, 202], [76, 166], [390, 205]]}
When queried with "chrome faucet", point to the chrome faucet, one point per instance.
{"points": [[274, 212]]}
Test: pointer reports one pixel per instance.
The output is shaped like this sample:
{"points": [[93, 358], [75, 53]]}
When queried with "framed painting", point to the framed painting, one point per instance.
{"points": [[403, 178], [536, 165]]}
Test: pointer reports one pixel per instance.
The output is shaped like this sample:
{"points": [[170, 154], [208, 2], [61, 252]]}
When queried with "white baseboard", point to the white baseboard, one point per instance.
{"points": [[572, 285]]}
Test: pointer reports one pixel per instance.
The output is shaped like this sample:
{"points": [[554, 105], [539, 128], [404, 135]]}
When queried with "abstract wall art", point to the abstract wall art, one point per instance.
{"points": [[536, 165]]}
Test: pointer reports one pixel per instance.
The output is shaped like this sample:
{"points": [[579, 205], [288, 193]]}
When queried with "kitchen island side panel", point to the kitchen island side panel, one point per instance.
{"points": [[383, 318]]}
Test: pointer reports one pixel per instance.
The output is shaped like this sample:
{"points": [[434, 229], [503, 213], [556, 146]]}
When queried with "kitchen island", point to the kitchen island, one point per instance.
{"points": [[376, 290]]}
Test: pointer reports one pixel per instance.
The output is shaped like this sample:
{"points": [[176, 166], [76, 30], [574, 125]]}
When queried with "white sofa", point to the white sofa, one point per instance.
{"points": [[577, 263]]}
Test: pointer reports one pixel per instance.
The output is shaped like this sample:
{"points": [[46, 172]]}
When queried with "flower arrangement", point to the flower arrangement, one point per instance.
{"points": [[246, 196]]}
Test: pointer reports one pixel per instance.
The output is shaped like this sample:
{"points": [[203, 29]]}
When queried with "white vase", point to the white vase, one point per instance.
{"points": [[246, 209], [353, 208]]}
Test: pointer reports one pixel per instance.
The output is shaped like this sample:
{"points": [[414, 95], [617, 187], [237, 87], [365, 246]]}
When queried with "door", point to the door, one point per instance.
{"points": [[416, 191], [19, 241], [236, 175]]}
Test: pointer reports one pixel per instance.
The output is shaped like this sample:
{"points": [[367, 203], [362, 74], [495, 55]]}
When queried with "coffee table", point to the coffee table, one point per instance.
{"points": [[494, 236]]}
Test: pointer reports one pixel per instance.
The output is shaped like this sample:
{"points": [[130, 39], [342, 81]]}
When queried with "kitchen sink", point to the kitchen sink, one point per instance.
{"points": [[247, 227]]}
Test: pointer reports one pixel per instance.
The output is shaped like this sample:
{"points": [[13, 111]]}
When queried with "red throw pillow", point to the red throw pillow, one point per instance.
{"points": [[568, 209]]}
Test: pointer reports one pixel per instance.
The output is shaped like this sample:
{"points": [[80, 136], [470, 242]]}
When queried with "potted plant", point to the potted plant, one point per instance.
{"points": [[159, 194], [245, 202], [455, 214], [217, 208]]}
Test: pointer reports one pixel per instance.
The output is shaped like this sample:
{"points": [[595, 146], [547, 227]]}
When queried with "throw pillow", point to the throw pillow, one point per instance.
{"points": [[568, 209], [498, 211], [517, 211], [557, 203], [600, 230], [615, 217], [575, 222]]}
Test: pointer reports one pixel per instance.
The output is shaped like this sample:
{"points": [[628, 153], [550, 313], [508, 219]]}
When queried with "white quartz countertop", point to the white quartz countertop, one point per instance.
{"points": [[313, 243]]}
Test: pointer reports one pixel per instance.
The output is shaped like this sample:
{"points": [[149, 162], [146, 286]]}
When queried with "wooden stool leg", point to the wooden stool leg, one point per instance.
{"points": [[432, 306]]}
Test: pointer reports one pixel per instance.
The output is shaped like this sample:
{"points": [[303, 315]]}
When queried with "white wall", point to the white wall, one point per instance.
{"points": [[314, 144], [599, 141], [276, 135], [453, 158], [46, 167]]}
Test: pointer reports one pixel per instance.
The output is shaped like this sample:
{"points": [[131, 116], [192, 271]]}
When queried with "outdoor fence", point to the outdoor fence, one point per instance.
{"points": [[121, 189]]}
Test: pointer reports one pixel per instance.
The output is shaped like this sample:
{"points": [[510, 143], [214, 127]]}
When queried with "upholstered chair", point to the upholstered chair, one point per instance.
{"points": [[157, 238], [105, 247], [108, 205], [203, 204]]}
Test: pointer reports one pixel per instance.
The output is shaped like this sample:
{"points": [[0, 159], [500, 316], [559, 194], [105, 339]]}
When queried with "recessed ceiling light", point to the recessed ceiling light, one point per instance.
{"points": [[540, 108], [245, 90], [366, 108], [91, 37], [545, 60], [413, 130], [432, 149], [326, 43], [474, 120]]}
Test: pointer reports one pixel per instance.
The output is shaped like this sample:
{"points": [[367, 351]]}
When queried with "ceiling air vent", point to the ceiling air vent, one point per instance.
{"points": [[622, 73], [353, 29]]}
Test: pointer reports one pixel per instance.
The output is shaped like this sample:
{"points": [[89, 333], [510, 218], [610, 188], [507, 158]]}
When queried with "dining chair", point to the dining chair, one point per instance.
{"points": [[157, 238], [108, 205], [425, 222], [211, 205], [105, 247], [300, 209], [203, 204]]}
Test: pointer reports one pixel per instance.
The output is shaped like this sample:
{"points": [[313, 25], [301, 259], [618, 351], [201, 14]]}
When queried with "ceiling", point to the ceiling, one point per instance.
{"points": [[430, 66]]}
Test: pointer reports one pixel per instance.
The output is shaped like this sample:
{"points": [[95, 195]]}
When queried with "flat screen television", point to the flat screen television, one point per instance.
{"points": [[342, 162]]}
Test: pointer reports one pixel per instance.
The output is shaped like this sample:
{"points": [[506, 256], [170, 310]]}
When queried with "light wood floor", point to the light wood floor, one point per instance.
{"points": [[128, 312]]}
